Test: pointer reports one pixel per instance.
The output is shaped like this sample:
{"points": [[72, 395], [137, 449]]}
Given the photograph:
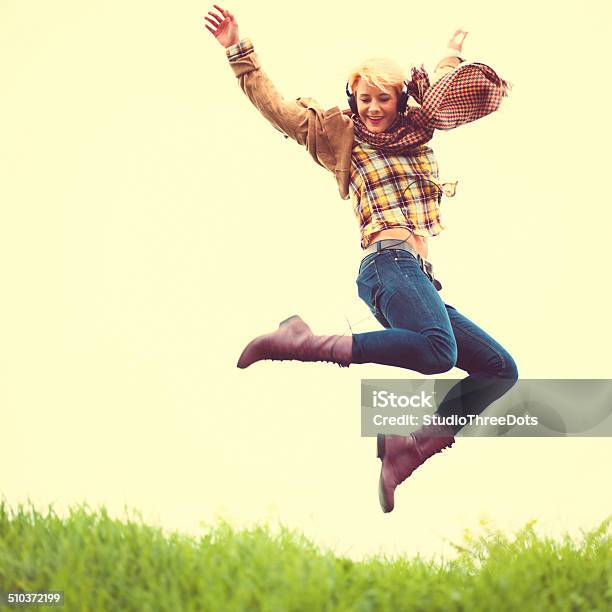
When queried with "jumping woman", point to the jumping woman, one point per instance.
{"points": [[377, 151]]}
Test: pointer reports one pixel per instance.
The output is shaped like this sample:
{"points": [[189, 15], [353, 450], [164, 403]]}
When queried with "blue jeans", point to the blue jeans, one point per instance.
{"points": [[426, 335]]}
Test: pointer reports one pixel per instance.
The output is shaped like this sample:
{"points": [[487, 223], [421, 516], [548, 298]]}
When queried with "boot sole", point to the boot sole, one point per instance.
{"points": [[289, 319], [385, 506], [380, 446], [380, 453]]}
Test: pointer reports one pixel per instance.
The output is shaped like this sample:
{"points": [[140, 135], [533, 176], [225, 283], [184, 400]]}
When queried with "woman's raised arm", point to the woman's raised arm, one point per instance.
{"points": [[453, 55], [292, 118]]}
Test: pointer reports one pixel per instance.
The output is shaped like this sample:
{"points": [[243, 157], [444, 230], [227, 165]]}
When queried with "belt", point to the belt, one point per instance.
{"points": [[426, 266]]}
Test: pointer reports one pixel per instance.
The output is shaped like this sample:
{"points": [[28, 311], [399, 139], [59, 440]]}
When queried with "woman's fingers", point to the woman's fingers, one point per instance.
{"points": [[456, 41], [226, 14], [219, 20], [220, 26], [213, 23]]}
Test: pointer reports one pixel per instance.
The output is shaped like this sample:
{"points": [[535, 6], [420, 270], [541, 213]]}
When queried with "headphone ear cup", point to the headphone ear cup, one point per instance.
{"points": [[402, 101], [352, 102]]}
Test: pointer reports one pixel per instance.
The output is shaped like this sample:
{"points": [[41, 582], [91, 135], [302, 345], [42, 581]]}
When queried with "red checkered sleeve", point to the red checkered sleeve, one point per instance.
{"points": [[464, 95]]}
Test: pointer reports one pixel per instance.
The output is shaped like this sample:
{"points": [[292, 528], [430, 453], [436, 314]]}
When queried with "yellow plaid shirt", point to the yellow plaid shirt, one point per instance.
{"points": [[396, 191], [386, 190]]}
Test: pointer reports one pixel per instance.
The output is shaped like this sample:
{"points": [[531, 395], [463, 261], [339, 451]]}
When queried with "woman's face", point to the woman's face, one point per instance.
{"points": [[374, 103]]}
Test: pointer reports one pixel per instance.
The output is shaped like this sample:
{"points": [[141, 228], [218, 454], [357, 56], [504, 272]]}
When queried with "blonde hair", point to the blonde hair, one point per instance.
{"points": [[377, 72]]}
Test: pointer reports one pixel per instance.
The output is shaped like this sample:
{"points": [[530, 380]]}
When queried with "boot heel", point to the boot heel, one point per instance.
{"points": [[380, 446], [288, 319]]}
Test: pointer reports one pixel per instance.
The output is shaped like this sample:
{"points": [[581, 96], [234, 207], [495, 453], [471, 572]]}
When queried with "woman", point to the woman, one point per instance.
{"points": [[378, 154]]}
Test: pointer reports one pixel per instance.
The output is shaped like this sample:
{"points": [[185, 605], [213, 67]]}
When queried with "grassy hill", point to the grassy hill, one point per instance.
{"points": [[102, 564]]}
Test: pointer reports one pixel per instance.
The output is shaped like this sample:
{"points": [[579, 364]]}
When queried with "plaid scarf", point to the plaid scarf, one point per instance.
{"points": [[464, 95]]}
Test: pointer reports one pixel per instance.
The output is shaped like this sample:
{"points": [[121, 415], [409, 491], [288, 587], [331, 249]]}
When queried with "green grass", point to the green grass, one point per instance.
{"points": [[103, 563]]}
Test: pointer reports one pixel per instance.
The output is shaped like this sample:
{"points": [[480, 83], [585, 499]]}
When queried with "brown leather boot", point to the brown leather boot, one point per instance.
{"points": [[401, 455], [294, 340]]}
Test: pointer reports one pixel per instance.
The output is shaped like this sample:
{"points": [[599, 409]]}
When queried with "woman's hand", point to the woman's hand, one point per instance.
{"points": [[224, 28], [456, 41]]}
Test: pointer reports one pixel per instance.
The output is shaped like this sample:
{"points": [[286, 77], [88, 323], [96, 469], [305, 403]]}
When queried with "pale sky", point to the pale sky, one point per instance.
{"points": [[153, 223]]}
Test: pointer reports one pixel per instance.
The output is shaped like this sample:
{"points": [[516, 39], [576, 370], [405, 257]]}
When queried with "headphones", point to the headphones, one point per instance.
{"points": [[401, 102]]}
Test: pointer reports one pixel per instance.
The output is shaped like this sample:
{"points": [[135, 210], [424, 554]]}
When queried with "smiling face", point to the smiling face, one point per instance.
{"points": [[377, 108]]}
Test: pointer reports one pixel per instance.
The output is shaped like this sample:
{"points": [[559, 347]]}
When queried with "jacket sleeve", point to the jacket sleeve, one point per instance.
{"points": [[289, 117]]}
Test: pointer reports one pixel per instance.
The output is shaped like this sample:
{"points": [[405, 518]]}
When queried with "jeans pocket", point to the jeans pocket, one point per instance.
{"points": [[369, 294], [366, 292]]}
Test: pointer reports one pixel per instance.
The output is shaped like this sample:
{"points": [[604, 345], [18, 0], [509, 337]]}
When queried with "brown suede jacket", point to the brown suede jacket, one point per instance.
{"points": [[326, 134]]}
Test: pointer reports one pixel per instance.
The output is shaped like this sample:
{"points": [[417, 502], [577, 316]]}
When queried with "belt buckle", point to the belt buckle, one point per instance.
{"points": [[426, 267], [422, 264]]}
